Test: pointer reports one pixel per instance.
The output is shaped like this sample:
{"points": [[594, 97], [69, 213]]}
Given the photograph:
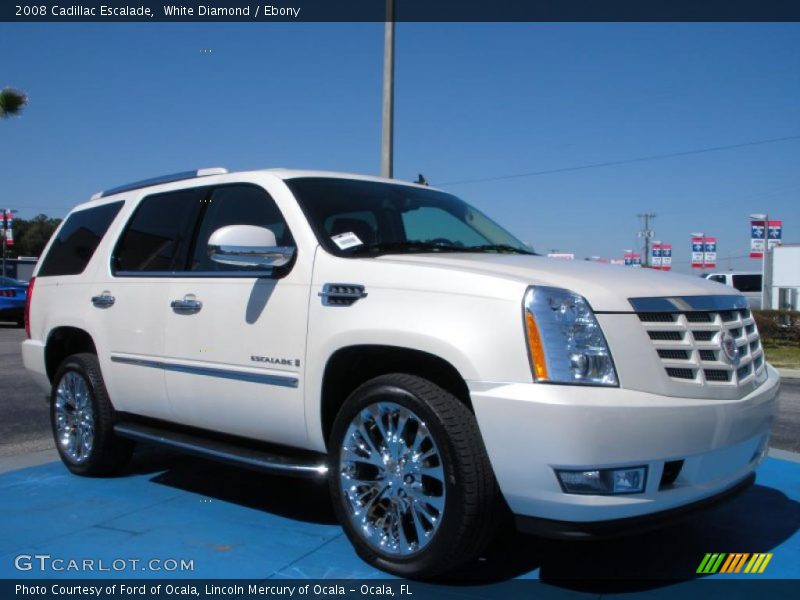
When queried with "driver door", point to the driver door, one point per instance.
{"points": [[235, 338]]}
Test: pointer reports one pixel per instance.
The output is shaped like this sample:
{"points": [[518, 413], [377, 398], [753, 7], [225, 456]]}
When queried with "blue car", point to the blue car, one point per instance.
{"points": [[13, 294]]}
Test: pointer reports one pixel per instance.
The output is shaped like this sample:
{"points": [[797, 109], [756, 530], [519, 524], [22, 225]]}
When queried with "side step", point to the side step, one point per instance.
{"points": [[251, 458]]}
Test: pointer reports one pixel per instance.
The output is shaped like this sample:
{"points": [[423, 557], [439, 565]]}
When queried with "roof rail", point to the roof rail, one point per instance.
{"points": [[162, 179]]}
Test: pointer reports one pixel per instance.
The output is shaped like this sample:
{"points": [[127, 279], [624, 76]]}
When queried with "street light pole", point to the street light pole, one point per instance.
{"points": [[647, 233], [387, 129]]}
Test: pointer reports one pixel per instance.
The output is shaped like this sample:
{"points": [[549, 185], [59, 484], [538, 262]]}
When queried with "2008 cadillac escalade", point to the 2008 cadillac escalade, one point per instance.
{"points": [[395, 340]]}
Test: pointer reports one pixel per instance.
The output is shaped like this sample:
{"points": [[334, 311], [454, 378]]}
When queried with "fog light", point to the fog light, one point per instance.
{"points": [[631, 480]]}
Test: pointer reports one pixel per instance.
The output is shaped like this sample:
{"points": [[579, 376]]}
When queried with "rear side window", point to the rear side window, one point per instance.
{"points": [[747, 283], [717, 278], [158, 236], [77, 240]]}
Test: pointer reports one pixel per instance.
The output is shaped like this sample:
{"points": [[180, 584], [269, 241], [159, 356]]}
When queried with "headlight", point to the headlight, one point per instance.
{"points": [[565, 341]]}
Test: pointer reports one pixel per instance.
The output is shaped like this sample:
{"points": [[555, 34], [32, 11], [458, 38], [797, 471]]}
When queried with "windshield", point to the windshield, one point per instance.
{"points": [[367, 218]]}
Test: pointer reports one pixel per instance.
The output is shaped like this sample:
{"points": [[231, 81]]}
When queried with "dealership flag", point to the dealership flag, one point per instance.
{"points": [[8, 219], [704, 253], [666, 257], [655, 255], [775, 235]]}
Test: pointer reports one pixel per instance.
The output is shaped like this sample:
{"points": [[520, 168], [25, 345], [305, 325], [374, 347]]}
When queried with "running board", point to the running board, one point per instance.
{"points": [[229, 453]]}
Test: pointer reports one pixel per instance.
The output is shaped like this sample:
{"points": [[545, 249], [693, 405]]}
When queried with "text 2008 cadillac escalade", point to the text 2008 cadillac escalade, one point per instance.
{"points": [[395, 340]]}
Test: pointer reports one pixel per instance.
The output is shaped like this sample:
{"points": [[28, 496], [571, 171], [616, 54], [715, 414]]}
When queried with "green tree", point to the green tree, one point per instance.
{"points": [[31, 235], [11, 102]]}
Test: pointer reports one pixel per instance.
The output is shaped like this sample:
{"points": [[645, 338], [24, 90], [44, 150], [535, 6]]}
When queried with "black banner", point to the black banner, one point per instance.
{"points": [[405, 10], [350, 589]]}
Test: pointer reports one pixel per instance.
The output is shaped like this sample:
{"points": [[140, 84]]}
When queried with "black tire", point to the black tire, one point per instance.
{"points": [[471, 500], [108, 453]]}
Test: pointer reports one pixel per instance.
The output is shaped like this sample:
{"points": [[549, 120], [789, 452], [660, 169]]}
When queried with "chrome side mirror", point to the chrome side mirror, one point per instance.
{"points": [[248, 246]]}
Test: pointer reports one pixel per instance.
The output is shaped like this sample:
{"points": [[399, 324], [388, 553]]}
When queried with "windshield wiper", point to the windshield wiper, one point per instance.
{"points": [[407, 246], [498, 248]]}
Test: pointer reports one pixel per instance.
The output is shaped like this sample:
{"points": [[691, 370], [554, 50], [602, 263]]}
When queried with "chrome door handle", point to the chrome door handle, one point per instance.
{"points": [[189, 305], [104, 300]]}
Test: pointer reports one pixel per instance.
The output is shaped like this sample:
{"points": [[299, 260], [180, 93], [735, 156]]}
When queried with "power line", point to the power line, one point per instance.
{"points": [[626, 161]]}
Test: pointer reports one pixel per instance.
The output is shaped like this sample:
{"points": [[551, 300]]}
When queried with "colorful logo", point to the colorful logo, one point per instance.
{"points": [[738, 562]]}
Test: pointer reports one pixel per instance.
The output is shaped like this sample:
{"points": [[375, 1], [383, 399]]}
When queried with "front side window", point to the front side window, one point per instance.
{"points": [[237, 205], [717, 278], [355, 218], [77, 240], [158, 236]]}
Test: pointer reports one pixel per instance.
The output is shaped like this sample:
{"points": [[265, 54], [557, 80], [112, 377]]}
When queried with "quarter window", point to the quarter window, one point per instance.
{"points": [[77, 240]]}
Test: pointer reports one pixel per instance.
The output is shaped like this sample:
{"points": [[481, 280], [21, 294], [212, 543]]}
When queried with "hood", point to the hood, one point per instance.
{"points": [[606, 287]]}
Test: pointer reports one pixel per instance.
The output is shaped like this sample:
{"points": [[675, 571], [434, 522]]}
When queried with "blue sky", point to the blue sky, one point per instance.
{"points": [[112, 103]]}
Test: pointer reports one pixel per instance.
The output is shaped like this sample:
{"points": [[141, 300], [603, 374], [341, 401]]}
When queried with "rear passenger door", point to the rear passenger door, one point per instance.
{"points": [[151, 248], [235, 363]]}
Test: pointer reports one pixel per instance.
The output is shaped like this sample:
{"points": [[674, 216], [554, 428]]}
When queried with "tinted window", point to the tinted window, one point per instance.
{"points": [[747, 283], [431, 223], [394, 218], [717, 278], [237, 205], [157, 238], [77, 240]]}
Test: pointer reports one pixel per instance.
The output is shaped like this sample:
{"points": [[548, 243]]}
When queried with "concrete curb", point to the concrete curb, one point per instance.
{"points": [[784, 455], [789, 373], [31, 459]]}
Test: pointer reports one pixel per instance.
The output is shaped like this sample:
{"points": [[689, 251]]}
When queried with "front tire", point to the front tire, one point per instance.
{"points": [[410, 478], [82, 419]]}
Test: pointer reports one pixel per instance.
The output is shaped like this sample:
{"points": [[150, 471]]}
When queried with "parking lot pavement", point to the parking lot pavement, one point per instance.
{"points": [[24, 419], [237, 524]]}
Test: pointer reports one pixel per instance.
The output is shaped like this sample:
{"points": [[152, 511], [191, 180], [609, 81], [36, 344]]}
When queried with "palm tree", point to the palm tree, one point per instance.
{"points": [[11, 102]]}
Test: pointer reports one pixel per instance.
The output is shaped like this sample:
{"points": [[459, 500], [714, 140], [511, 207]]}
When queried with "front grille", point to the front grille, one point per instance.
{"points": [[673, 354], [658, 317], [689, 346], [680, 373], [705, 355], [717, 375], [666, 335], [703, 336]]}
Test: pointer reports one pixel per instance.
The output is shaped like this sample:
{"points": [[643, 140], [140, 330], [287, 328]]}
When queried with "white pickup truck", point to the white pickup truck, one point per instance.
{"points": [[393, 339]]}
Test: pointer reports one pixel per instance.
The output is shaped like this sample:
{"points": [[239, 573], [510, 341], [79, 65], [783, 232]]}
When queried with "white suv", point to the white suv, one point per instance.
{"points": [[393, 339]]}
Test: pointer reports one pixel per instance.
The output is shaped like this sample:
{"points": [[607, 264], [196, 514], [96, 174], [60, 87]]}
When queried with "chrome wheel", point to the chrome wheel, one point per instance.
{"points": [[392, 478], [74, 417]]}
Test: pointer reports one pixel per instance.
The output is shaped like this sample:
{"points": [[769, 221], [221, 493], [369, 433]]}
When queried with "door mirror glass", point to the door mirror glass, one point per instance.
{"points": [[248, 246]]}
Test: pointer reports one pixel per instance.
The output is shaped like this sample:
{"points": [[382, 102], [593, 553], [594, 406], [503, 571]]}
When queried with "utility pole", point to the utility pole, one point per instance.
{"points": [[647, 234], [387, 129]]}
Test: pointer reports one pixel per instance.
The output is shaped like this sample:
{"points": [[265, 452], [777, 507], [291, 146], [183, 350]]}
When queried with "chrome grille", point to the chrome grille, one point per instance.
{"points": [[688, 344]]}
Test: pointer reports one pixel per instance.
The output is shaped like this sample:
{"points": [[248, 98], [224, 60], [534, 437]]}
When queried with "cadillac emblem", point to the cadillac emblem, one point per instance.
{"points": [[729, 349]]}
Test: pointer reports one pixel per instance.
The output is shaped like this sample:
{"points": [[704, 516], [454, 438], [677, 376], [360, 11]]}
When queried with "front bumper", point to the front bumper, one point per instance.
{"points": [[532, 429]]}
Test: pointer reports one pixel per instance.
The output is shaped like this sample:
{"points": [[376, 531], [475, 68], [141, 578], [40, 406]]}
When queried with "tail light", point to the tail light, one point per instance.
{"points": [[28, 307]]}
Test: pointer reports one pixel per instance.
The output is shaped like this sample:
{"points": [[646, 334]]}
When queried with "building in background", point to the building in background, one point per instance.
{"points": [[785, 276]]}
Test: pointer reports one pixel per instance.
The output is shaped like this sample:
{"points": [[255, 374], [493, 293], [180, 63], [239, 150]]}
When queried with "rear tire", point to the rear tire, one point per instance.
{"points": [[410, 478], [82, 419]]}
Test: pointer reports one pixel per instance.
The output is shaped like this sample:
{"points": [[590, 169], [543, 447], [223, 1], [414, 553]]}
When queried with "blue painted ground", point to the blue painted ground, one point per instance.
{"points": [[238, 524]]}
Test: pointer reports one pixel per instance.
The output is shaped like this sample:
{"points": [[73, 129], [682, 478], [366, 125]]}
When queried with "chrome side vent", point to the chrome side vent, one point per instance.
{"points": [[341, 294]]}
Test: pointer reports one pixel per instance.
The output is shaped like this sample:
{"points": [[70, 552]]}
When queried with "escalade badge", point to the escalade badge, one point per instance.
{"points": [[728, 345]]}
